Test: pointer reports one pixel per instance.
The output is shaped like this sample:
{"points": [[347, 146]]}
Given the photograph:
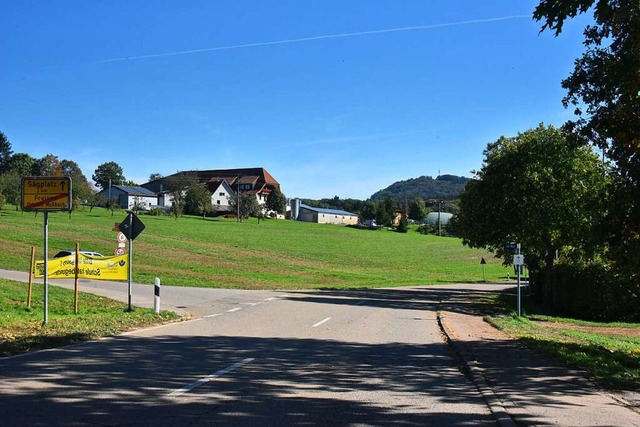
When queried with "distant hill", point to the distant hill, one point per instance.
{"points": [[444, 186]]}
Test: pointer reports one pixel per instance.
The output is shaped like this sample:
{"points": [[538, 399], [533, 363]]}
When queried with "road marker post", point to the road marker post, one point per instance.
{"points": [[156, 296]]}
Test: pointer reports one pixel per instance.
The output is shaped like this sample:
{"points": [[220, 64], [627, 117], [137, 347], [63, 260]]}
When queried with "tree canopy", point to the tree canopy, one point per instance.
{"points": [[604, 89], [106, 172], [248, 205], [81, 187], [5, 152], [276, 201], [536, 189]]}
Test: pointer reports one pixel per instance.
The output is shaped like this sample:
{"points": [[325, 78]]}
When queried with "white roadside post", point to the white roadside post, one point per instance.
{"points": [[156, 296], [518, 261]]}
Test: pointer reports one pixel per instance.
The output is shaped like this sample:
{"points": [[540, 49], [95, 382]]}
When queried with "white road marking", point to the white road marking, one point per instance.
{"points": [[250, 303], [206, 379], [321, 322], [213, 315], [234, 309], [360, 303], [270, 299]]}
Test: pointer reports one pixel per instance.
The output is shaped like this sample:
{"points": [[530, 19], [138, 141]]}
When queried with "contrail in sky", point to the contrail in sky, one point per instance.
{"points": [[307, 39]]}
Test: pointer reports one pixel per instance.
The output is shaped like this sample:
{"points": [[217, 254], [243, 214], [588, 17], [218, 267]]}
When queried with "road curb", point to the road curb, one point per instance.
{"points": [[495, 405]]}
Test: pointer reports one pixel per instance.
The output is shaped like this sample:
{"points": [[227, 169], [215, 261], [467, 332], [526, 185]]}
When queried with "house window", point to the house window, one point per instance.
{"points": [[221, 194], [218, 201]]}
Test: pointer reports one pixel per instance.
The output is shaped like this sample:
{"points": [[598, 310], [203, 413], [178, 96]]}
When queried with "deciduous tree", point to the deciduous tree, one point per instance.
{"points": [[49, 165], [276, 201], [536, 189], [417, 209], [248, 205], [198, 200], [109, 171], [604, 90], [23, 164], [81, 187]]}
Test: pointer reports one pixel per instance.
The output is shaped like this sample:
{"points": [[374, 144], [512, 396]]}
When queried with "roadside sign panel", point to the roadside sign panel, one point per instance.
{"points": [[518, 260], [511, 246], [89, 267], [46, 193], [131, 232]]}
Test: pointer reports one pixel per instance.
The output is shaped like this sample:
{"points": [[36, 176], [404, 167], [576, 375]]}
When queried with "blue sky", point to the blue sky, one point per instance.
{"points": [[331, 97]]}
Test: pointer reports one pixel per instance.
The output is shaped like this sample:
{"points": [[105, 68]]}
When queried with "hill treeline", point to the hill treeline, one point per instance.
{"points": [[425, 187]]}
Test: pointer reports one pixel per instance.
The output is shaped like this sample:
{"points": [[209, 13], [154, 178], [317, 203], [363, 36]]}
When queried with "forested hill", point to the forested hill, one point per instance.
{"points": [[426, 187]]}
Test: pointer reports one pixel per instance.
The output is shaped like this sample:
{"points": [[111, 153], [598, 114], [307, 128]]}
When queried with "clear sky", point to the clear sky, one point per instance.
{"points": [[331, 97]]}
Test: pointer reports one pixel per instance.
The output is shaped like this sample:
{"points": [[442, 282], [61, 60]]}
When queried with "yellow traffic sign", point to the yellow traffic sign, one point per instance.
{"points": [[46, 193]]}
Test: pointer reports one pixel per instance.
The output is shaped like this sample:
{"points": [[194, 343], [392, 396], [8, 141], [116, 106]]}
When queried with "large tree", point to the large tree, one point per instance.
{"points": [[49, 165], [248, 205], [81, 187], [23, 164], [5, 152], [276, 201], [10, 183], [198, 200], [177, 189], [536, 189], [106, 172], [417, 209], [604, 89]]}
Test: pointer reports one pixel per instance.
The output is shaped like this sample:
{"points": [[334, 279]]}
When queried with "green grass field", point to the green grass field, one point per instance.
{"points": [[21, 328], [274, 254]]}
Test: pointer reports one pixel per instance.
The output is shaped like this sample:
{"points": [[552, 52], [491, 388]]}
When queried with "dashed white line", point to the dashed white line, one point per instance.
{"points": [[321, 322], [208, 378], [234, 309], [213, 315]]}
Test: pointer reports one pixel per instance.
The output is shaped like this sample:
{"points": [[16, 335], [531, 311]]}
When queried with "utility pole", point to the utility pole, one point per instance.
{"points": [[238, 197], [439, 223]]}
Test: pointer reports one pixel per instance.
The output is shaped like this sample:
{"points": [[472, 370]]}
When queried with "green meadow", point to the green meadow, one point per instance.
{"points": [[272, 254]]}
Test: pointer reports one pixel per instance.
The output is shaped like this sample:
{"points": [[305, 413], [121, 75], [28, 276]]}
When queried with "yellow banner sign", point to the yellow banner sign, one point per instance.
{"points": [[89, 267]]}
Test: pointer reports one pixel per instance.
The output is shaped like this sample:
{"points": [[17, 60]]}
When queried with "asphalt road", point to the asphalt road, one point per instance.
{"points": [[336, 358]]}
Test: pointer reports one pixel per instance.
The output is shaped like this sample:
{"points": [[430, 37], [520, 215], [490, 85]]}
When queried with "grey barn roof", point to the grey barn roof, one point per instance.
{"points": [[135, 191], [326, 211]]}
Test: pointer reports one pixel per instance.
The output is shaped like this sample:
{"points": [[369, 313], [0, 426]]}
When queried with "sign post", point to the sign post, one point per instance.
{"points": [[483, 262], [131, 227], [518, 262], [45, 193]]}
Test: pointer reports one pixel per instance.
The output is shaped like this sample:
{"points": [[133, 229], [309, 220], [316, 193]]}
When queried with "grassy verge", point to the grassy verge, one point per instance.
{"points": [[608, 352], [21, 328], [272, 254]]}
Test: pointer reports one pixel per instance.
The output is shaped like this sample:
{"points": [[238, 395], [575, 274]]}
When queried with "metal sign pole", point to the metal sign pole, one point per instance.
{"points": [[46, 268], [130, 258], [519, 294]]}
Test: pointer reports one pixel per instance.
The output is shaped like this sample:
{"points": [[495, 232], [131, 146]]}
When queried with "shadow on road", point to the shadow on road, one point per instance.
{"points": [[289, 382]]}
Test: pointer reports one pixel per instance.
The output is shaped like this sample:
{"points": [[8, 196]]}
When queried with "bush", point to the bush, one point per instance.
{"points": [[157, 212], [403, 225], [595, 292]]}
